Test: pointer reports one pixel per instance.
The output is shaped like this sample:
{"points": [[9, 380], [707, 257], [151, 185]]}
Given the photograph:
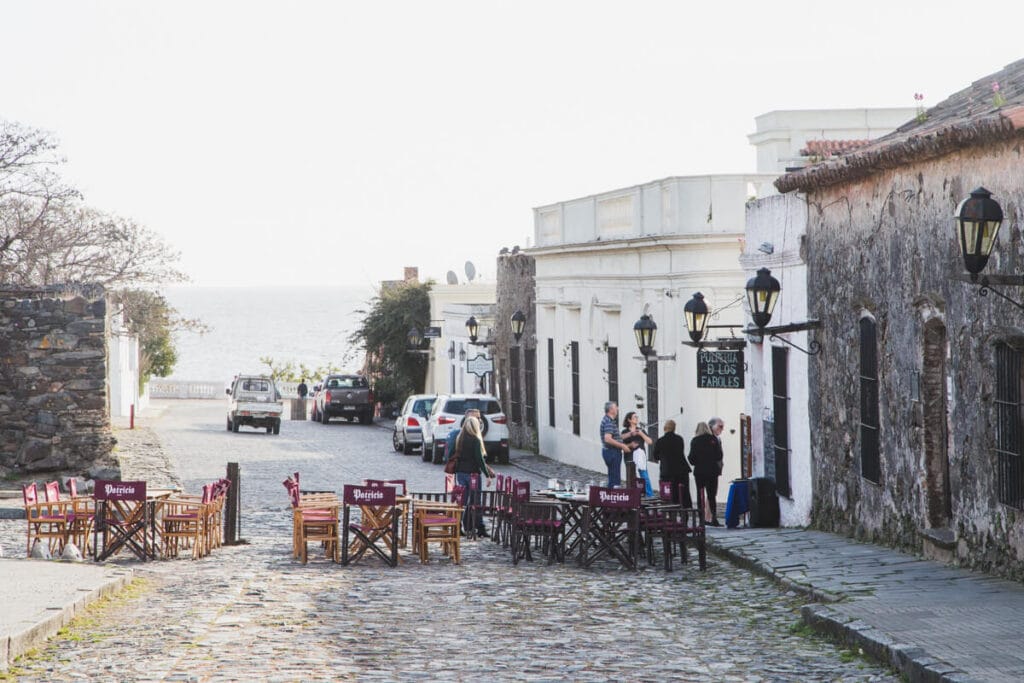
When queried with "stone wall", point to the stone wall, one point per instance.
{"points": [[516, 290], [53, 390], [884, 247]]}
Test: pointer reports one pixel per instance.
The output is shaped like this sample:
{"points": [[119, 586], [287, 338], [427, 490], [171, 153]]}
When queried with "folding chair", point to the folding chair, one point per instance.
{"points": [[536, 522], [437, 522], [125, 517], [610, 525], [403, 503], [182, 524], [46, 520], [377, 528]]}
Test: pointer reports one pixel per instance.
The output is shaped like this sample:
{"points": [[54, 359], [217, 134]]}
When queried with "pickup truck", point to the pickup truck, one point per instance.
{"points": [[346, 396], [253, 401]]}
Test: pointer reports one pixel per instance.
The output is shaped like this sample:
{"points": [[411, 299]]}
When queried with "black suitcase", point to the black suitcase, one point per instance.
{"points": [[764, 503]]}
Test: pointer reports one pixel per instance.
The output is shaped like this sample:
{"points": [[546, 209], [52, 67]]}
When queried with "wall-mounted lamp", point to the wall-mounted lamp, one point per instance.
{"points": [[646, 330], [462, 353], [763, 293], [978, 219], [518, 323], [473, 327]]}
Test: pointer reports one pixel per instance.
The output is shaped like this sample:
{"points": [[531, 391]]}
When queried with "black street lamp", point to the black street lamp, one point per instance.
{"points": [[415, 337], [518, 324], [473, 327], [978, 219], [695, 312], [762, 294], [645, 330]]}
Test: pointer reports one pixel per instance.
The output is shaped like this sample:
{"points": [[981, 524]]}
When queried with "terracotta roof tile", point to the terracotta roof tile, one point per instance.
{"points": [[829, 148], [969, 117]]}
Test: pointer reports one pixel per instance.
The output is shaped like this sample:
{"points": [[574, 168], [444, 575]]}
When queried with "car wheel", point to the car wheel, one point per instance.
{"points": [[394, 440], [366, 418], [427, 453], [229, 424], [324, 419], [277, 427], [270, 430], [435, 454], [234, 426], [407, 448]]}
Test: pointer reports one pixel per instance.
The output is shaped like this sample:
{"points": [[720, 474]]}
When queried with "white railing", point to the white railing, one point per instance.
{"points": [[169, 388]]}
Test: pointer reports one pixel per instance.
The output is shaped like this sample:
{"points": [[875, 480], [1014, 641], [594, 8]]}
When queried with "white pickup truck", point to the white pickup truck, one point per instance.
{"points": [[254, 401]]}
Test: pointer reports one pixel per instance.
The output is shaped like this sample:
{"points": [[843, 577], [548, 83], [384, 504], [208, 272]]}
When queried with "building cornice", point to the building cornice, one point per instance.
{"points": [[644, 243]]}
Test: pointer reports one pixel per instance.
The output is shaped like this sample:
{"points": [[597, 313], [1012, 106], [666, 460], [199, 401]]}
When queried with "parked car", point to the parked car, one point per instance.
{"points": [[346, 396], [447, 414], [253, 401], [408, 432]]}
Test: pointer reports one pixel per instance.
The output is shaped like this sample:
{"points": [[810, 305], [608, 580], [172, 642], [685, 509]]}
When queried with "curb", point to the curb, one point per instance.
{"points": [[911, 661], [52, 619]]}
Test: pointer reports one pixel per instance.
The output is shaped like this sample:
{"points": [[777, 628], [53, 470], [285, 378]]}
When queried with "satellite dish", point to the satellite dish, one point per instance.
{"points": [[452, 278], [470, 271]]}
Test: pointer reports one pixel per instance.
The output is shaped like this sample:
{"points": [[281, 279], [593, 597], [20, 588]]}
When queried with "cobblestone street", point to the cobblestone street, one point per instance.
{"points": [[250, 612]]}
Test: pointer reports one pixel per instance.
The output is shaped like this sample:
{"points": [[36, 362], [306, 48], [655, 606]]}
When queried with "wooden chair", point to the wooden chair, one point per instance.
{"points": [[377, 528], [183, 525], [81, 517], [533, 523], [437, 522], [610, 526], [315, 517], [46, 521], [402, 503]]}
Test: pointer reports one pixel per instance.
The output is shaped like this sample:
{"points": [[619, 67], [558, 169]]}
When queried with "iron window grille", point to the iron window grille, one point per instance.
{"points": [[1010, 474], [870, 461], [652, 399], [551, 382], [515, 387], [780, 410], [530, 378], [575, 351], [613, 374]]}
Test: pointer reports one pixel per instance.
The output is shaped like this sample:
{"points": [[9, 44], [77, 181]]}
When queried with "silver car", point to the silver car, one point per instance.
{"points": [[408, 432]]}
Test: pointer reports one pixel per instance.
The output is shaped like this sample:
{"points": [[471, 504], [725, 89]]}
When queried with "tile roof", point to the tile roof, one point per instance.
{"points": [[829, 148], [969, 117]]}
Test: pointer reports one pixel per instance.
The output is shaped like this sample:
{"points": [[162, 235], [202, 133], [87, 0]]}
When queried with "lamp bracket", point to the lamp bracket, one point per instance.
{"points": [[481, 343], [985, 287], [655, 357], [813, 348], [735, 344]]}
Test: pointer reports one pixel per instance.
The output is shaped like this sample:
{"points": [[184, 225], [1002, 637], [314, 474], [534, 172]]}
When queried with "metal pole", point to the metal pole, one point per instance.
{"points": [[232, 520]]}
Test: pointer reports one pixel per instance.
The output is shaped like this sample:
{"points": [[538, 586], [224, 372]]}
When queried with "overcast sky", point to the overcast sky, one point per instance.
{"points": [[332, 143]]}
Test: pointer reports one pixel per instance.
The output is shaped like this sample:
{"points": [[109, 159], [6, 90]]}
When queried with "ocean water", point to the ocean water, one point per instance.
{"points": [[309, 325]]}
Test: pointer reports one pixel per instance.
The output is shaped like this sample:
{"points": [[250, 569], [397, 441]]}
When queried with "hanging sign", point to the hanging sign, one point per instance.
{"points": [[432, 333], [719, 369], [479, 365]]}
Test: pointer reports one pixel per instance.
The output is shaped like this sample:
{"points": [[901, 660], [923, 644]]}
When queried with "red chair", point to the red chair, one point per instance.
{"points": [[46, 520], [535, 523]]}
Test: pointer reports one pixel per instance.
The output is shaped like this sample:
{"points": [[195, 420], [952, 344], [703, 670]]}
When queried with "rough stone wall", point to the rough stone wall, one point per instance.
{"points": [[886, 246], [516, 290], [53, 390]]}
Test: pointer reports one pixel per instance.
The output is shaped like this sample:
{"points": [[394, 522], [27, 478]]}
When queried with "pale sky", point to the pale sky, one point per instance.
{"points": [[336, 142]]}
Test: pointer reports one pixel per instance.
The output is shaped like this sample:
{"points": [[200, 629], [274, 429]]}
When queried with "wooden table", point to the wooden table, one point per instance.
{"points": [[126, 516]]}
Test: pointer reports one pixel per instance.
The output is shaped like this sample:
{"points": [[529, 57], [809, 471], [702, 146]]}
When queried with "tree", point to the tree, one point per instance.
{"points": [[153, 319], [288, 372], [48, 236], [384, 335]]}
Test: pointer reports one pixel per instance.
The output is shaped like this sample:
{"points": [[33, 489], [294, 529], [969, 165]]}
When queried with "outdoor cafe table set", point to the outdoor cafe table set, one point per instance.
{"points": [[125, 516], [604, 523]]}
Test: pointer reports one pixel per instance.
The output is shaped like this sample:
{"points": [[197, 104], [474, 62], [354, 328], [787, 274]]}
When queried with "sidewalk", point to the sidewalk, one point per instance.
{"points": [[929, 621], [41, 596]]}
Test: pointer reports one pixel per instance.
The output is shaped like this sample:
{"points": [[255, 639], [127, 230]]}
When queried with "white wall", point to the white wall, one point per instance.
{"points": [[450, 308], [599, 262], [122, 372], [782, 221]]}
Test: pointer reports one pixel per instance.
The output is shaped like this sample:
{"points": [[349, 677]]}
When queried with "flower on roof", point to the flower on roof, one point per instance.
{"points": [[998, 99], [921, 114]]}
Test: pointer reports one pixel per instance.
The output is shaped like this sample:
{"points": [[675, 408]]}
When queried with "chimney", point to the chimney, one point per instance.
{"points": [[412, 274]]}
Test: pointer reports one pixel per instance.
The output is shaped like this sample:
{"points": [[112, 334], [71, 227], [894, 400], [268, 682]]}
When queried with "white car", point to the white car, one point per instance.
{"points": [[447, 415], [408, 431]]}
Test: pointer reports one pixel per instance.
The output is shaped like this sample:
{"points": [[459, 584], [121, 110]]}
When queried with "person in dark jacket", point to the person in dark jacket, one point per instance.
{"points": [[470, 451], [302, 388], [670, 451], [707, 460]]}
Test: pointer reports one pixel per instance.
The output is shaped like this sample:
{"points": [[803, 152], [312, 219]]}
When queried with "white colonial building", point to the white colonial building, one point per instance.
{"points": [[601, 263], [451, 355], [777, 379]]}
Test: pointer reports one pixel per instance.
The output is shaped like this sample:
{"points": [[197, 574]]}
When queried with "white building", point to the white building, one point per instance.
{"points": [[450, 307], [601, 262], [122, 368], [778, 382]]}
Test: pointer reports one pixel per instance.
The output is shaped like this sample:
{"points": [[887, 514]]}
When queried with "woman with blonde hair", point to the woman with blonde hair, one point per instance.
{"points": [[470, 454], [707, 460]]}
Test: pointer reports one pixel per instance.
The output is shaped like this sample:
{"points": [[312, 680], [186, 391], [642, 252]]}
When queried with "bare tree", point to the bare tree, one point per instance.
{"points": [[48, 236]]}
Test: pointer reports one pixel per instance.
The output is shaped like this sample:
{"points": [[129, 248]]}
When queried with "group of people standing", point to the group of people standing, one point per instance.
{"points": [[705, 461]]}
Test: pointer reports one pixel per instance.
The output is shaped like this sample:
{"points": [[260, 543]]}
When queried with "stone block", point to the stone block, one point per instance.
{"points": [[56, 340]]}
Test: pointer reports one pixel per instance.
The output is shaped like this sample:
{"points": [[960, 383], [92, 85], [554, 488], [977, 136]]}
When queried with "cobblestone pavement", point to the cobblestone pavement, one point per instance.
{"points": [[250, 612]]}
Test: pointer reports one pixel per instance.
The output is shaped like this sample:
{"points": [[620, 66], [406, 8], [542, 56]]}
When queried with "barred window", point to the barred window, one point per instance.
{"points": [[551, 382], [652, 399], [515, 397], [575, 347], [780, 409], [870, 462], [1010, 478], [613, 374], [530, 378]]}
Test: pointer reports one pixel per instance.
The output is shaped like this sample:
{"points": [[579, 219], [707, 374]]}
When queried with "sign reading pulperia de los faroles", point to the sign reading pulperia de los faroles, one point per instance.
{"points": [[719, 369]]}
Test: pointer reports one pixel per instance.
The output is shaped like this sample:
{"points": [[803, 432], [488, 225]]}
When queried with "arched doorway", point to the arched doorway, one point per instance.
{"points": [[938, 498]]}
